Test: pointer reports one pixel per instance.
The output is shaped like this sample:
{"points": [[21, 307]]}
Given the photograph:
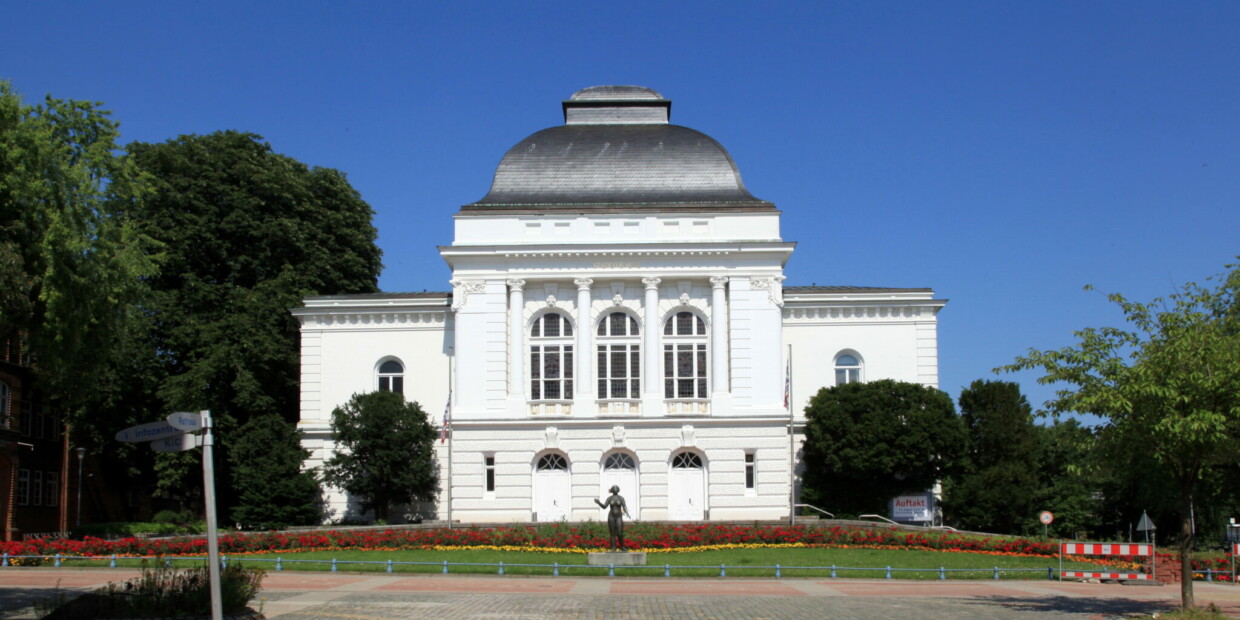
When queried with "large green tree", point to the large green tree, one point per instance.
{"points": [[992, 490], [386, 452], [273, 490], [868, 442], [1168, 386], [70, 261], [247, 234]]}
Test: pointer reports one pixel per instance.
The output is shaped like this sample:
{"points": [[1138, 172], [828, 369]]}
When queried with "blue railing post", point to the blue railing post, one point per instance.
{"points": [[279, 564], [888, 572], [112, 564], [611, 570], [942, 573], [501, 568], [389, 566], [167, 562], [333, 565], [996, 572], [667, 568], [723, 570], [777, 575], [1209, 574], [555, 572], [57, 560], [224, 562], [6, 559], [1050, 573], [833, 571], [445, 567]]}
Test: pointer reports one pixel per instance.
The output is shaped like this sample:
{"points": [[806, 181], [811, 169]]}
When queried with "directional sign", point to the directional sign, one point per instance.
{"points": [[185, 421], [180, 443], [148, 432]]}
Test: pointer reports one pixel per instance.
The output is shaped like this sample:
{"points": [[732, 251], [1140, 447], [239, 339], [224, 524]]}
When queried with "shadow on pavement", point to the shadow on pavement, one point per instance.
{"points": [[1078, 605]]}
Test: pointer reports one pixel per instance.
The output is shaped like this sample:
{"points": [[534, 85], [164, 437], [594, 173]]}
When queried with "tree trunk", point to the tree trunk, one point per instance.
{"points": [[1186, 550]]}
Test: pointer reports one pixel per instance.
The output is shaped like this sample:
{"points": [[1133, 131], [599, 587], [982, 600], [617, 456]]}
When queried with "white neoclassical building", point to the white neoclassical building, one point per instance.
{"points": [[618, 315]]}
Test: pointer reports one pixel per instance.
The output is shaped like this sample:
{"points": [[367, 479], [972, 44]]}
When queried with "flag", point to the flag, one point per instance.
{"points": [[788, 384], [447, 421]]}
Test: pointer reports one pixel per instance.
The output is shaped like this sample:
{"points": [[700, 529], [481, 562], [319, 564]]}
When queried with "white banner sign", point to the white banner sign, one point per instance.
{"points": [[911, 508]]}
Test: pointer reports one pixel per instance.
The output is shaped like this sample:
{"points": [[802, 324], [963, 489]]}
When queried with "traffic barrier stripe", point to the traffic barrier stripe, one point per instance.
{"points": [[1085, 575], [1235, 549], [1137, 549]]}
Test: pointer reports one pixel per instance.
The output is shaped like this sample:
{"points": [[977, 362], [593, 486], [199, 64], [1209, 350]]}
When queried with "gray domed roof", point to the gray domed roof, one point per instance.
{"points": [[617, 152]]}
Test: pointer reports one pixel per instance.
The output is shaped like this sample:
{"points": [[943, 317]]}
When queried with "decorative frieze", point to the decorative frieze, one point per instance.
{"points": [[365, 319], [854, 313]]}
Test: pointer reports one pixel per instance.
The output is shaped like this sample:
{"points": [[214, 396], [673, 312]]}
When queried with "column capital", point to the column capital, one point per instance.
{"points": [[583, 284], [516, 284], [652, 283], [718, 281]]}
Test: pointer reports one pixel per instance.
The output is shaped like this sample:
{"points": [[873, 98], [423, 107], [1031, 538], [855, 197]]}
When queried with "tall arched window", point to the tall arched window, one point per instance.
{"points": [[684, 356], [551, 358], [619, 357], [847, 369], [392, 377]]}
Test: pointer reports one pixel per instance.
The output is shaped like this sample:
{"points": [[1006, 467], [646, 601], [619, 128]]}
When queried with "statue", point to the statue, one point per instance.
{"points": [[615, 521]]}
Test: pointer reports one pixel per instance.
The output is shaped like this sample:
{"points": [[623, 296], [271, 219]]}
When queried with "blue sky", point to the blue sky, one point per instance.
{"points": [[1005, 154]]}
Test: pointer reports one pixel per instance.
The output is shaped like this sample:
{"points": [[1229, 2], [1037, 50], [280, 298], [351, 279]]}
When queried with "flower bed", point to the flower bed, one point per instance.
{"points": [[562, 538]]}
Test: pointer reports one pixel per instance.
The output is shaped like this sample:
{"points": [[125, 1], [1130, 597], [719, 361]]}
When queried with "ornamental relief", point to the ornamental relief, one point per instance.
{"points": [[461, 290], [773, 285]]}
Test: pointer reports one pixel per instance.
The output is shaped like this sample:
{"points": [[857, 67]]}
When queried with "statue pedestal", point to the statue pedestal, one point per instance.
{"points": [[612, 558]]}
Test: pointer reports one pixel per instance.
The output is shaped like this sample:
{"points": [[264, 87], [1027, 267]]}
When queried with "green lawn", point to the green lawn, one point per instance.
{"points": [[738, 562]]}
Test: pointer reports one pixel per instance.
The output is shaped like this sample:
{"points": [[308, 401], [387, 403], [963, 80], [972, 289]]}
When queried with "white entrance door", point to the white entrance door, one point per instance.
{"points": [[686, 488], [620, 470], [552, 494]]}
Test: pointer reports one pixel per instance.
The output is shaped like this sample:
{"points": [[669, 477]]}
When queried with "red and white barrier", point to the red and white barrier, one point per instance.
{"points": [[1235, 549], [1119, 549]]}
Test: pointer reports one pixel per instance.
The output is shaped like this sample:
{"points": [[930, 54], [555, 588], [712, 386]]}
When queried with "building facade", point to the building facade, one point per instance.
{"points": [[618, 316]]}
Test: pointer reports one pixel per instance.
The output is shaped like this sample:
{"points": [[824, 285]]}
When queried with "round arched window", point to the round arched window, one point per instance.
{"points": [[392, 377], [687, 460], [619, 460], [553, 462], [847, 369]]}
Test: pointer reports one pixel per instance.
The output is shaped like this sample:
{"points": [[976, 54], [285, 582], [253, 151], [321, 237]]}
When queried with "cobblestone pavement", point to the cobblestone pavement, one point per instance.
{"points": [[354, 596]]}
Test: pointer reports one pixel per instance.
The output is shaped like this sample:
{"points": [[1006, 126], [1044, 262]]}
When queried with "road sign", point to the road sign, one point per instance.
{"points": [[1046, 517], [148, 432], [185, 421], [180, 443]]}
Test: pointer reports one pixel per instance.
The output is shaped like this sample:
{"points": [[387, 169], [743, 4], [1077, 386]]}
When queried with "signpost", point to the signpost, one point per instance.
{"points": [[1046, 517], [173, 436], [1145, 525]]}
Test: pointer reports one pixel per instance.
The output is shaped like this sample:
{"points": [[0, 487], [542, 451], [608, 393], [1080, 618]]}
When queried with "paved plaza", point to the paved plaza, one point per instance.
{"points": [[350, 596]]}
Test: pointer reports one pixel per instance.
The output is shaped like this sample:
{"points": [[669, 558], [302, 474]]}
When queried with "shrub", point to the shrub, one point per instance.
{"points": [[164, 592]]}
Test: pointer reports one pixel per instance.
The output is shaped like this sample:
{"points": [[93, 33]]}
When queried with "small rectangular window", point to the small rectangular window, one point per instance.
{"points": [[27, 418], [36, 488], [490, 472], [750, 478], [23, 487], [53, 488]]}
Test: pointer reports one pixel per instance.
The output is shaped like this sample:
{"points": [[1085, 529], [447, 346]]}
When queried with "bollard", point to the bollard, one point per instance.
{"points": [[611, 570], [888, 572], [777, 575], [57, 560], [833, 571], [112, 564], [501, 568], [6, 559], [389, 566], [445, 567], [723, 571], [555, 572], [333, 565], [279, 564], [224, 562], [167, 563], [942, 573], [996, 572], [1050, 573], [667, 568], [1209, 574]]}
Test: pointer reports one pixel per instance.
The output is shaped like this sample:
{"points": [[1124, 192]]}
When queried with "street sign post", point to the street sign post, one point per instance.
{"points": [[185, 421], [180, 443], [148, 432]]}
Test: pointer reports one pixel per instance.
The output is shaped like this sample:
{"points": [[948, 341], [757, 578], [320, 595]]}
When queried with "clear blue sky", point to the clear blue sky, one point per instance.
{"points": [[1005, 154]]}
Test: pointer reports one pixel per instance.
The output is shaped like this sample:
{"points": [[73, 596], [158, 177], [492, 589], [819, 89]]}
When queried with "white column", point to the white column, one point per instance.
{"points": [[652, 378], [718, 335], [582, 388], [516, 339]]}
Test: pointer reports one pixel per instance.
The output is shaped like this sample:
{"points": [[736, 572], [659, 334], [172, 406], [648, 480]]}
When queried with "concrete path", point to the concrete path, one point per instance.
{"points": [[361, 596]]}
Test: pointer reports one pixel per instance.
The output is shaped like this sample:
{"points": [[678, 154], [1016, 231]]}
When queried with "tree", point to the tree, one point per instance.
{"points": [[1068, 478], [868, 442], [70, 262], [386, 452], [992, 491], [272, 490], [247, 234], [1168, 386]]}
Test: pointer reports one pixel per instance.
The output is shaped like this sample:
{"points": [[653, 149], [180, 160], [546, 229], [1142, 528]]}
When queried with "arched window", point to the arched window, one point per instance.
{"points": [[686, 460], [552, 462], [619, 357], [684, 356], [392, 377], [551, 358], [619, 461], [847, 369]]}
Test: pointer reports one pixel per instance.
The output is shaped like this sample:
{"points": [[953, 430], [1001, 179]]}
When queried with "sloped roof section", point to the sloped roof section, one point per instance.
{"points": [[617, 152]]}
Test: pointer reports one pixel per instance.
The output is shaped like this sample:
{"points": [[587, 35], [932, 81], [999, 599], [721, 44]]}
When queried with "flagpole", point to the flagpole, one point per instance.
{"points": [[447, 426], [792, 473]]}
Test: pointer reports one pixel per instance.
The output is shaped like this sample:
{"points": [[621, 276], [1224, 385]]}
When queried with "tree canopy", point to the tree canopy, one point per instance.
{"points": [[868, 442], [272, 490], [1167, 386], [386, 452], [70, 259]]}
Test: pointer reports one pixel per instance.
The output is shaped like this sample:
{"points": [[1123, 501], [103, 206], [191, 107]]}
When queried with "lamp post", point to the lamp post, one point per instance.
{"points": [[81, 452]]}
